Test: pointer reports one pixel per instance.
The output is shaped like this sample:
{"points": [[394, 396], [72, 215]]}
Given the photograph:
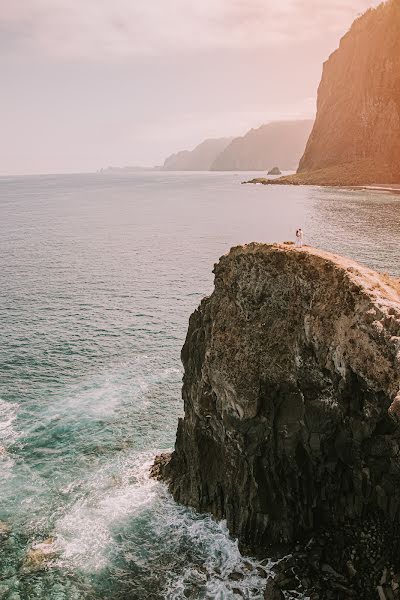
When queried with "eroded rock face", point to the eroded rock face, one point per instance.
{"points": [[356, 136], [292, 376]]}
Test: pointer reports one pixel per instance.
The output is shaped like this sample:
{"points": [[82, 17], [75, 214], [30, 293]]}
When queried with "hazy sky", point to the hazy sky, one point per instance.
{"points": [[91, 83]]}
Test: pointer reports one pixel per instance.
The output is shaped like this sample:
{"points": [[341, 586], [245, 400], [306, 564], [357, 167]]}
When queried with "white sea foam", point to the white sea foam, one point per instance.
{"points": [[101, 395], [8, 413], [222, 560], [119, 494], [8, 435], [114, 494], [217, 559]]}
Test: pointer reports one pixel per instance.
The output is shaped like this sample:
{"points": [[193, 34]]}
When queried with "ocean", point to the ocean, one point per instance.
{"points": [[99, 275]]}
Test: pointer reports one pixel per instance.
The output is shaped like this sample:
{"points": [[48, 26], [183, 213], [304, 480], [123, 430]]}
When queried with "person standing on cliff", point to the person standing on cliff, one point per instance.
{"points": [[299, 238]]}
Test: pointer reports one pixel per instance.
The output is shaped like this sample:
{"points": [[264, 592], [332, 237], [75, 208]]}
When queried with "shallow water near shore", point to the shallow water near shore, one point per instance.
{"points": [[99, 275]]}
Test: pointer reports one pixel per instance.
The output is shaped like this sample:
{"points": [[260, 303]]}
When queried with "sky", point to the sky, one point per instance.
{"points": [[90, 83]]}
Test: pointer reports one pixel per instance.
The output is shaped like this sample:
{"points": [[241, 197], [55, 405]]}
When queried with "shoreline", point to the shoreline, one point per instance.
{"points": [[391, 188]]}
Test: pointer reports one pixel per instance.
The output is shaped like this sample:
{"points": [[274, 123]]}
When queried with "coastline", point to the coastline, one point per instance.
{"points": [[391, 188]]}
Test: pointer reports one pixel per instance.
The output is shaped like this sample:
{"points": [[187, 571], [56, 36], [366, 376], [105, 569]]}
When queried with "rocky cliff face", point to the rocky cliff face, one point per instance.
{"points": [[356, 137], [291, 394], [281, 143]]}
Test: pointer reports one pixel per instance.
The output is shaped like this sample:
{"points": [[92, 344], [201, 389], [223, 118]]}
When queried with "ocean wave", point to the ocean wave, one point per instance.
{"points": [[8, 436], [114, 493]]}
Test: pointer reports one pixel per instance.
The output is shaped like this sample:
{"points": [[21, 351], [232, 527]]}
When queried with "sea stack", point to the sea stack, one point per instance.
{"points": [[275, 171], [291, 396]]}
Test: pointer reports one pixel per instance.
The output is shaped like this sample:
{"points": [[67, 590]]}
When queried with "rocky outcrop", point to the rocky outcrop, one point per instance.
{"points": [[291, 396], [356, 136], [199, 159], [275, 171], [281, 142], [39, 555]]}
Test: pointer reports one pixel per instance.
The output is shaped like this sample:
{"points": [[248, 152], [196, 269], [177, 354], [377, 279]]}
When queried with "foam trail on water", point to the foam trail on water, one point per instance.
{"points": [[8, 414], [216, 568], [114, 494], [8, 435]]}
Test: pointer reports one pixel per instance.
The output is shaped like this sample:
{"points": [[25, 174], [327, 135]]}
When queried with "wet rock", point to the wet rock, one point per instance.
{"points": [[272, 591], [5, 529], [39, 555], [286, 581], [159, 467], [275, 171], [350, 569], [236, 576]]}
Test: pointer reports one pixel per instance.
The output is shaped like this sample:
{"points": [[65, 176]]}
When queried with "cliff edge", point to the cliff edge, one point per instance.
{"points": [[291, 395]]}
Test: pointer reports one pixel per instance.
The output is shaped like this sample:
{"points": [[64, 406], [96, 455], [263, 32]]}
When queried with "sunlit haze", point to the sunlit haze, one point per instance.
{"points": [[122, 82]]}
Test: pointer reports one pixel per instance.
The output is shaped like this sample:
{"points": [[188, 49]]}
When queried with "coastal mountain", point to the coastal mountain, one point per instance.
{"points": [[279, 143], [356, 136], [199, 159], [292, 412]]}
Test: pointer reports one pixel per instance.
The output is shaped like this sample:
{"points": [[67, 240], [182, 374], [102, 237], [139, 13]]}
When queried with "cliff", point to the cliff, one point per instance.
{"points": [[199, 159], [280, 143], [356, 136], [291, 397]]}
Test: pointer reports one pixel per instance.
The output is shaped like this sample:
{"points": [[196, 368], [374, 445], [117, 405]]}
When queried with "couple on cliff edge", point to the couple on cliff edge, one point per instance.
{"points": [[299, 237]]}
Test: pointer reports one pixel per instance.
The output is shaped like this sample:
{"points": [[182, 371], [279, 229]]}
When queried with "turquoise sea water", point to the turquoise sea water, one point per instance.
{"points": [[99, 274]]}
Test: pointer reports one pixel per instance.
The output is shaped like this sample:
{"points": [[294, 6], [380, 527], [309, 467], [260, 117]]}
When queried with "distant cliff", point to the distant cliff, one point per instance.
{"points": [[356, 136], [292, 403], [199, 159], [280, 143]]}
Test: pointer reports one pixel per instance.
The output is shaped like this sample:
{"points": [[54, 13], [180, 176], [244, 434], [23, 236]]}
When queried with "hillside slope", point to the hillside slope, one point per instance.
{"points": [[275, 144], [199, 159]]}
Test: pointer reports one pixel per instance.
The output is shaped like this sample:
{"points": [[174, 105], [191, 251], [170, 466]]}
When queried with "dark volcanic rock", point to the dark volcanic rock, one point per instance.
{"points": [[272, 591], [291, 367], [275, 171]]}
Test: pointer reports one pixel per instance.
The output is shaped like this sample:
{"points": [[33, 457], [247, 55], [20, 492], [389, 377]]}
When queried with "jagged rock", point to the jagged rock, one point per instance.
{"points": [[5, 529], [287, 388], [236, 576], [394, 409], [159, 466], [350, 569], [38, 555], [275, 171], [262, 573], [272, 591]]}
